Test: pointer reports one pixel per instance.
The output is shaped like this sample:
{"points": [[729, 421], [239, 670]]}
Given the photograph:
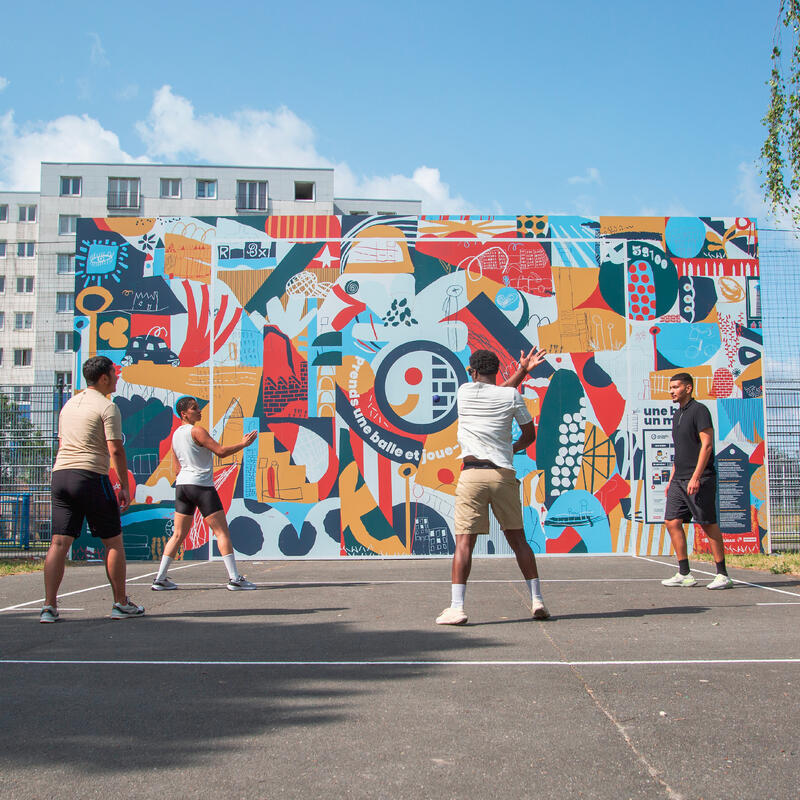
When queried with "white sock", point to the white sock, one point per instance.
{"points": [[535, 589], [162, 570], [230, 565], [457, 591]]}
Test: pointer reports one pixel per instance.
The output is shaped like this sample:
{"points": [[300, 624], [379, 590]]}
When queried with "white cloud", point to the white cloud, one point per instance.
{"points": [[69, 138], [592, 176], [173, 131], [128, 92], [97, 52], [3, 83]]}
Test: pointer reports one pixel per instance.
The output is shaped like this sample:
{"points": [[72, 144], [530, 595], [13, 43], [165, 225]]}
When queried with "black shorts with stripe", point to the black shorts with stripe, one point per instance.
{"points": [[79, 494]]}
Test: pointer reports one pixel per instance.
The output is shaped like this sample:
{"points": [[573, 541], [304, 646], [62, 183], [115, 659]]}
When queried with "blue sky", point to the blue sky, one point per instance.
{"points": [[621, 107]]}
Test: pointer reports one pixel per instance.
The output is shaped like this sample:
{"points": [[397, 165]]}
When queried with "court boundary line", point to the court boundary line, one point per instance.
{"points": [[395, 663], [91, 588], [735, 580]]}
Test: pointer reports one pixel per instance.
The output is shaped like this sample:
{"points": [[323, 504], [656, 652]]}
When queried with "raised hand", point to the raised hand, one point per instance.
{"points": [[532, 360]]}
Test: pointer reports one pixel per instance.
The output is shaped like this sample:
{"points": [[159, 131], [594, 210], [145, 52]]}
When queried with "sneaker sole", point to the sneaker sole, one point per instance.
{"points": [[240, 588], [717, 588], [540, 613], [49, 621], [163, 588], [125, 616]]}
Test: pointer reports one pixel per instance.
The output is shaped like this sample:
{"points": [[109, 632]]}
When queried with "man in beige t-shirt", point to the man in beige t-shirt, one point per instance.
{"points": [[90, 439]]}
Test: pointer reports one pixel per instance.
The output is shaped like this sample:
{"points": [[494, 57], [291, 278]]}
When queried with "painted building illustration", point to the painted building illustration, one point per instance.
{"points": [[342, 340]]}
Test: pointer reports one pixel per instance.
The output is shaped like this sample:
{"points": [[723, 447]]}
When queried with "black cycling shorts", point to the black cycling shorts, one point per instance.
{"points": [[79, 494], [188, 497], [700, 507]]}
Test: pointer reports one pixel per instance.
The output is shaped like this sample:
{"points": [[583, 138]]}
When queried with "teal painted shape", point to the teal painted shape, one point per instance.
{"points": [[293, 263]]}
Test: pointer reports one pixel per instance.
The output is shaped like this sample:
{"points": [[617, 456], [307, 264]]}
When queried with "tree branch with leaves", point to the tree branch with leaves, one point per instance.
{"points": [[780, 153]]}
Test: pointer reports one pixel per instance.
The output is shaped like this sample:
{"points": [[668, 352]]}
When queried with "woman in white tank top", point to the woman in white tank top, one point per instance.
{"points": [[193, 451]]}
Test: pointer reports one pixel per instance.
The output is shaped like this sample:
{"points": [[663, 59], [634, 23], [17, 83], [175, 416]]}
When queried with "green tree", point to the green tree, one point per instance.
{"points": [[780, 152]]}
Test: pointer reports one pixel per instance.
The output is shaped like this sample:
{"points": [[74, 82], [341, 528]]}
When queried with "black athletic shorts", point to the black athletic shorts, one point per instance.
{"points": [[188, 497], [79, 494], [700, 507]]}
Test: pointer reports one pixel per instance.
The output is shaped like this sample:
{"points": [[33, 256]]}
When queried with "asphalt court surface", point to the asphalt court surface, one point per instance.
{"points": [[332, 680]]}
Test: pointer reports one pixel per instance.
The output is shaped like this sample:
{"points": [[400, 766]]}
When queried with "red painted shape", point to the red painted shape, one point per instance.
{"points": [[610, 493], [565, 543], [352, 308], [142, 324], [285, 433], [757, 456], [195, 349], [607, 403], [595, 300], [165, 444]]}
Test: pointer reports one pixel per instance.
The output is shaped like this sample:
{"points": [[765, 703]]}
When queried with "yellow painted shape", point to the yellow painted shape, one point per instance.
{"points": [[114, 332], [702, 377], [244, 283], [354, 503], [187, 258], [749, 373], [350, 375], [410, 403], [436, 458], [615, 517], [611, 225]]}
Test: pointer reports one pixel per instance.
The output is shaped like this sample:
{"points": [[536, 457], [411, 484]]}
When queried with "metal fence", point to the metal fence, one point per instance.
{"points": [[28, 444]]}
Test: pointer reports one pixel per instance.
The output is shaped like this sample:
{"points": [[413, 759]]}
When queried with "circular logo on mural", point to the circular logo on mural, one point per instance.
{"points": [[416, 384]]}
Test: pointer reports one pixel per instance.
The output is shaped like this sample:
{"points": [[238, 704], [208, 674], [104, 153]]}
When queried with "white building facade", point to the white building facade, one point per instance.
{"points": [[37, 238]]}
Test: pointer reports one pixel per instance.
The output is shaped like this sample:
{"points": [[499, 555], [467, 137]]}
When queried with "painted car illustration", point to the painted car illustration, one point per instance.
{"points": [[149, 348]]}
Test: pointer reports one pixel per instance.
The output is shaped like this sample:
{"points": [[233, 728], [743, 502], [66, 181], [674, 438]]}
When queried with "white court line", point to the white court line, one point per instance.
{"points": [[89, 589], [366, 663], [735, 580], [785, 603], [370, 583]]}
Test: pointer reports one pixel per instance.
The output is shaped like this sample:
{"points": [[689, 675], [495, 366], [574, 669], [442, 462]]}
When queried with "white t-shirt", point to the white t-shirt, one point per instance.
{"points": [[197, 462], [485, 413]]}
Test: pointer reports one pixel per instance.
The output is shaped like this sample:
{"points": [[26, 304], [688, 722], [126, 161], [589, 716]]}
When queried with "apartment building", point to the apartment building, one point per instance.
{"points": [[37, 238]]}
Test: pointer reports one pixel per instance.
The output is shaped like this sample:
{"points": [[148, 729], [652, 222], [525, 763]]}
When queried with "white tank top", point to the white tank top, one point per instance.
{"points": [[197, 463]]}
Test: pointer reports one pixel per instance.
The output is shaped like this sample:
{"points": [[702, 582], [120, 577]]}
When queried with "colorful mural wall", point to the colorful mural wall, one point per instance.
{"points": [[343, 340]]}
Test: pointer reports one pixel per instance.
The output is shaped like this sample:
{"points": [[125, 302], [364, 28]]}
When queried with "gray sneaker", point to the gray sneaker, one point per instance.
{"points": [[126, 609], [163, 585], [49, 614], [240, 584]]}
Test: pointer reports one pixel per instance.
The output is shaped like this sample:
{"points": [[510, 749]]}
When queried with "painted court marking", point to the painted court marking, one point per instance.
{"points": [[87, 589], [735, 580], [411, 663]]}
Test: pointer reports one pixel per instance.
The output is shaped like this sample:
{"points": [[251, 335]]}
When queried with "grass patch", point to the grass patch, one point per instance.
{"points": [[11, 566], [777, 563]]}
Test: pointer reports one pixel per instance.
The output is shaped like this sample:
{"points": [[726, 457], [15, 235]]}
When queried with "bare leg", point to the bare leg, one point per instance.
{"points": [[54, 563], [183, 524], [678, 537], [219, 527], [462, 558], [115, 567], [715, 540], [526, 560]]}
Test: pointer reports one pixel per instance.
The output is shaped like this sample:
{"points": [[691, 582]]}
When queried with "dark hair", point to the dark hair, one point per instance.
{"points": [[95, 367], [184, 403], [683, 377], [484, 362]]}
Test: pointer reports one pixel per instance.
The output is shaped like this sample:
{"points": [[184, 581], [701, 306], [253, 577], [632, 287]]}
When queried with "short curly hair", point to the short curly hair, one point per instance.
{"points": [[484, 362], [184, 403]]}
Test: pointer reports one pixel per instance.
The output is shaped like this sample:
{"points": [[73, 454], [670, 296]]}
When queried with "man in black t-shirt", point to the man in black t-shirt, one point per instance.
{"points": [[692, 488]]}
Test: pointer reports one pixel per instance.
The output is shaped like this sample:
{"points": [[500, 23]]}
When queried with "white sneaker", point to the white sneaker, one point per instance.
{"points": [[452, 616], [680, 580], [126, 609], [721, 582], [240, 584], [163, 585], [539, 610]]}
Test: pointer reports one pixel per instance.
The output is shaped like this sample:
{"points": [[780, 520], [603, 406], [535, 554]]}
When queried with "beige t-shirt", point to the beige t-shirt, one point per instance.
{"points": [[87, 421]]}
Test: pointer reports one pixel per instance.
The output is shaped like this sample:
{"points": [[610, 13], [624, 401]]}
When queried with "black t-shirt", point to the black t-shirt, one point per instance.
{"points": [[686, 426]]}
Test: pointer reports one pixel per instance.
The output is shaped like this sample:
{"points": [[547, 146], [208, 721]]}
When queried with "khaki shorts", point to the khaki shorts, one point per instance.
{"points": [[477, 489]]}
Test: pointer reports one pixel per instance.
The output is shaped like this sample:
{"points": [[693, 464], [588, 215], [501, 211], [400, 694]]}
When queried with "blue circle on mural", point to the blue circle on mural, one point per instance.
{"points": [[507, 299], [685, 236], [246, 535]]}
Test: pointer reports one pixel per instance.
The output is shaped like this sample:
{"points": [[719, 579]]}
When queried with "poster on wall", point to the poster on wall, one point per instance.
{"points": [[342, 341]]}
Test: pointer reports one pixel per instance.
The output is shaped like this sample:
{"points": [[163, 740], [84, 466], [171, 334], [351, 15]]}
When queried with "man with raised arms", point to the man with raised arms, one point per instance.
{"points": [[485, 415]]}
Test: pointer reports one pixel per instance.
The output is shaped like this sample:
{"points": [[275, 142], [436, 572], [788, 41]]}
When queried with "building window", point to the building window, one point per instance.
{"points": [[207, 190], [27, 213], [26, 249], [2, 320], [2, 249], [251, 195], [23, 357], [64, 378], [70, 187], [171, 187], [123, 193], [303, 190], [65, 264], [25, 285], [22, 394], [65, 301], [2, 284], [23, 320], [63, 341], [1, 356], [67, 224], [3, 213]]}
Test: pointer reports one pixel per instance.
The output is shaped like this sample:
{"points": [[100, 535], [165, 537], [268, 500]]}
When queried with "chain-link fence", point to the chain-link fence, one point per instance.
{"points": [[28, 444]]}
